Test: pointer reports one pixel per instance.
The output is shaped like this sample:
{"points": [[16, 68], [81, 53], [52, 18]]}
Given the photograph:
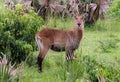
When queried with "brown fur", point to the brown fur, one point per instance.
{"points": [[60, 40]]}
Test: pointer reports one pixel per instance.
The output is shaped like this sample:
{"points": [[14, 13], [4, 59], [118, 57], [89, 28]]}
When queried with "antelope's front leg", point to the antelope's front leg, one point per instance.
{"points": [[70, 55]]}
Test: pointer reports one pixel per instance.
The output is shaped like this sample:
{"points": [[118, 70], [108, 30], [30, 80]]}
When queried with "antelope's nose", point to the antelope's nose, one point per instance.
{"points": [[79, 24]]}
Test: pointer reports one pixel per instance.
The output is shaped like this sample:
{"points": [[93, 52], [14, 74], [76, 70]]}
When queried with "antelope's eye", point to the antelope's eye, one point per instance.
{"points": [[82, 18], [76, 18]]}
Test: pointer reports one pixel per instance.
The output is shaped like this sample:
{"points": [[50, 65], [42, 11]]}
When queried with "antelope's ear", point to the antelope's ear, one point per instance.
{"points": [[72, 14], [85, 16]]}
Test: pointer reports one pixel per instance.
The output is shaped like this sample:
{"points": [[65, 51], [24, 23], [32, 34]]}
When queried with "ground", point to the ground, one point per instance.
{"points": [[103, 45]]}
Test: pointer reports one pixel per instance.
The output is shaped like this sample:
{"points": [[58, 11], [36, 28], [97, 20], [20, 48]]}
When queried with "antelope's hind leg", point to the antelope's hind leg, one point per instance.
{"points": [[43, 49], [41, 56]]}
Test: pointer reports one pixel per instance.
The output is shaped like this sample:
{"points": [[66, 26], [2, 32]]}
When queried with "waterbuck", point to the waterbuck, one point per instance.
{"points": [[60, 40]]}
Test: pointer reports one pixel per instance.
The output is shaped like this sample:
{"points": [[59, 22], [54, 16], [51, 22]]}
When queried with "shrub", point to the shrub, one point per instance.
{"points": [[17, 33], [111, 21], [115, 9]]}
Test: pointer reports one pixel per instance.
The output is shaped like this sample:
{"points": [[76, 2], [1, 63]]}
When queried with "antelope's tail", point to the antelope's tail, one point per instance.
{"points": [[39, 42]]}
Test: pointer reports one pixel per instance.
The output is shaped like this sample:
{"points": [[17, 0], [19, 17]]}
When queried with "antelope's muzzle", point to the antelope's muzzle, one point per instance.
{"points": [[79, 25]]}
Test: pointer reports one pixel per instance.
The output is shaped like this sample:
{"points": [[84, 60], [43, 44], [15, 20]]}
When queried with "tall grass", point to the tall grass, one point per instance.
{"points": [[8, 72], [98, 56]]}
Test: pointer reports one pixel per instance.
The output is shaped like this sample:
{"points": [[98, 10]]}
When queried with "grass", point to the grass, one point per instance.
{"points": [[101, 47], [98, 55]]}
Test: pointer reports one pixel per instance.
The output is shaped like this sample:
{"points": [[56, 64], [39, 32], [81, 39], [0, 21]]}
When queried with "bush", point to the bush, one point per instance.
{"points": [[111, 21], [115, 9], [17, 33]]}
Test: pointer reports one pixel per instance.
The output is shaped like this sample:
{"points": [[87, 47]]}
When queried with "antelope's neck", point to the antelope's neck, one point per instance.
{"points": [[79, 33]]}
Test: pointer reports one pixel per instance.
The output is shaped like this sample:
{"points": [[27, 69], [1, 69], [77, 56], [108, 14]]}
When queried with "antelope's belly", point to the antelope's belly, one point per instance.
{"points": [[57, 48]]}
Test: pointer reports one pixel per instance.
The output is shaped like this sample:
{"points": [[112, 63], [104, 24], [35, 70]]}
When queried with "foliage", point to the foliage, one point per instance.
{"points": [[36, 5], [95, 70], [115, 9], [111, 21], [98, 55], [8, 72], [88, 1], [75, 70], [17, 33]]}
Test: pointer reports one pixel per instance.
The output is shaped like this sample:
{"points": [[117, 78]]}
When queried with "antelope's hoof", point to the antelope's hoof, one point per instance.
{"points": [[74, 57], [39, 70]]}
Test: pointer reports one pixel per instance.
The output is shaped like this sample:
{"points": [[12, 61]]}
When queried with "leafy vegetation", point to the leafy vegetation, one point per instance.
{"points": [[98, 56], [8, 73], [115, 8], [17, 33]]}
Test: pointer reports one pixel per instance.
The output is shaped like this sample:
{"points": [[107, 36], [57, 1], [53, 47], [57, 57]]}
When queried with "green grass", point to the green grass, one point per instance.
{"points": [[101, 47], [98, 55]]}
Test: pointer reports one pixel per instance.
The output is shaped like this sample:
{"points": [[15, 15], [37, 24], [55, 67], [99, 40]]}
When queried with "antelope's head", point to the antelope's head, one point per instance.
{"points": [[79, 20]]}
